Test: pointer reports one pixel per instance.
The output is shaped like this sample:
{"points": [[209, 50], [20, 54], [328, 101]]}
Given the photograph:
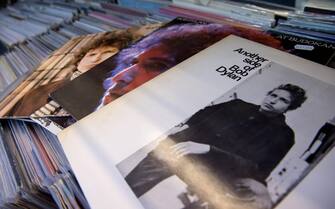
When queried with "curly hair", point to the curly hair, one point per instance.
{"points": [[298, 95], [117, 38]]}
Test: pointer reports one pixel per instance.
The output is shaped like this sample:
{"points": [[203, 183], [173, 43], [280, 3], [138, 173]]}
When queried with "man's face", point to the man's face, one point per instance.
{"points": [[147, 65], [277, 102], [96, 56]]}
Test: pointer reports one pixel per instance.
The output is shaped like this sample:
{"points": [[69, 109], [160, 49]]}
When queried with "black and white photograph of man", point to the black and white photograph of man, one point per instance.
{"points": [[225, 152]]}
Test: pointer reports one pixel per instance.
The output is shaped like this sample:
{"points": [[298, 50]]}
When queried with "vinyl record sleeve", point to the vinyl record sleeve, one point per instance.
{"points": [[108, 144]]}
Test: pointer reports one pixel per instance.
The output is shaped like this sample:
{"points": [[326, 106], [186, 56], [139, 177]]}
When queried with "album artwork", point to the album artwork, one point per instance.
{"points": [[241, 131], [246, 149], [160, 51]]}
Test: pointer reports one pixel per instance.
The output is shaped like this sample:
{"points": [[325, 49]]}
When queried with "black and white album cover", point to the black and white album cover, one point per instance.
{"points": [[246, 149]]}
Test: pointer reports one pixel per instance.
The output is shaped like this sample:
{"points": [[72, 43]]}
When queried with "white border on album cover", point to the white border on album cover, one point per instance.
{"points": [[91, 144], [305, 122]]}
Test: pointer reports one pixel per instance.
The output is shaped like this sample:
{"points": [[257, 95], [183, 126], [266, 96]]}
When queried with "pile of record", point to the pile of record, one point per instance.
{"points": [[308, 30], [31, 30], [34, 172], [317, 26], [39, 41], [272, 16]]}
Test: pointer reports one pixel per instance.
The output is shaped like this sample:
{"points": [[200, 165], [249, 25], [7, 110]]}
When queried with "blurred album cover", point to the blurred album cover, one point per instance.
{"points": [[159, 51], [80, 54]]}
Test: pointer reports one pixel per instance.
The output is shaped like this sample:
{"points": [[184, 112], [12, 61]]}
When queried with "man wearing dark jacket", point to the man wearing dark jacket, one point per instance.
{"points": [[223, 144]]}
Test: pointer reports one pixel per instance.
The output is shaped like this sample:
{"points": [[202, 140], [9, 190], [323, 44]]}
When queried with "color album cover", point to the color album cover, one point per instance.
{"points": [[80, 54], [149, 57]]}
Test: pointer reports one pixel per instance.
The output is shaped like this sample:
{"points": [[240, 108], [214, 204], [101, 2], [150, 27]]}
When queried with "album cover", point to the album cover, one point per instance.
{"points": [[155, 54], [240, 131], [250, 146], [80, 54]]}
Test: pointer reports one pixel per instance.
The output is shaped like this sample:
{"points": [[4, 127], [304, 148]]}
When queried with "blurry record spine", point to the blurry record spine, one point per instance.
{"points": [[36, 165], [13, 164]]}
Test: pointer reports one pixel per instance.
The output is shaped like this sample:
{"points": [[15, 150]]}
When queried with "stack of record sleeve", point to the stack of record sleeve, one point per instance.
{"points": [[34, 172]]}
